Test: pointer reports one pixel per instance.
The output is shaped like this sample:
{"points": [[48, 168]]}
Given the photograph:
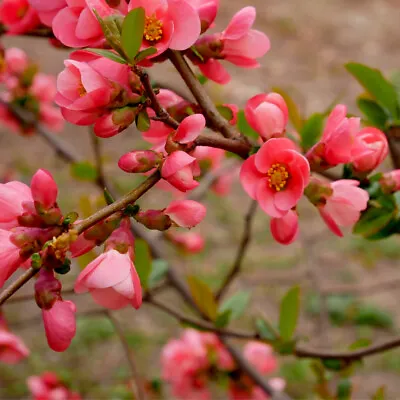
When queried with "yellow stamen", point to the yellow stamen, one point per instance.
{"points": [[278, 177], [153, 29], [81, 90]]}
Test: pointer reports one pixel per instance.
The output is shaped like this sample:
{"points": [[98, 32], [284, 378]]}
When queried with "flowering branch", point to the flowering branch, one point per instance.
{"points": [[244, 243]]}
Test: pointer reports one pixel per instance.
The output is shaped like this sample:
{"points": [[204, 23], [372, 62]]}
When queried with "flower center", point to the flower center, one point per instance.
{"points": [[81, 90], [22, 11], [278, 177], [153, 29]]}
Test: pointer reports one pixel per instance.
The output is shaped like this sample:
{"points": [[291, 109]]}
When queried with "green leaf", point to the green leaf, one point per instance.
{"points": [[110, 30], [289, 313], [395, 79], [143, 261], [244, 126], [311, 130], [370, 315], [360, 343], [265, 330], [333, 364], [202, 79], [108, 54], [226, 112], [344, 389], [237, 304], [372, 221], [380, 394], [223, 319], [145, 53], [158, 271], [143, 121], [376, 85], [374, 113], [294, 113], [132, 32], [84, 171], [108, 197], [203, 297]]}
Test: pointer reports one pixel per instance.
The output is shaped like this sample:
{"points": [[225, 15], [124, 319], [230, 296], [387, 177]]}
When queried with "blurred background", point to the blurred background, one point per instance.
{"points": [[349, 286]]}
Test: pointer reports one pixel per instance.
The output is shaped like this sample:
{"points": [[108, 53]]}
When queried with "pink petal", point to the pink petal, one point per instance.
{"points": [[250, 177], [240, 24], [190, 128], [109, 298], [265, 198], [215, 71]]}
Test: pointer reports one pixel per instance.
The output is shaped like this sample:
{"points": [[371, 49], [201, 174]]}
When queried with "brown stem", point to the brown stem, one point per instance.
{"points": [[140, 392], [210, 111], [244, 243], [41, 32], [239, 147]]}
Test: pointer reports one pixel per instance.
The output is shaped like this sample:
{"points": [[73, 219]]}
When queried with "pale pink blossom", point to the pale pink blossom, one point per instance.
{"points": [[16, 61], [261, 356], [171, 24], [186, 213], [374, 140], [267, 114], [275, 176], [59, 324], [286, 229], [179, 169], [344, 205], [189, 242], [14, 198], [44, 87], [18, 16], [44, 189], [12, 348]]}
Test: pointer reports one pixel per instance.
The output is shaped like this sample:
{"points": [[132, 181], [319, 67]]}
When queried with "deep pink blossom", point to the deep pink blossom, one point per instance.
{"points": [[171, 24], [47, 10], [12, 348], [344, 205], [267, 114], [275, 176], [139, 161], [285, 230], [18, 16], [114, 122], [59, 324], [179, 169], [186, 213], [374, 140]]}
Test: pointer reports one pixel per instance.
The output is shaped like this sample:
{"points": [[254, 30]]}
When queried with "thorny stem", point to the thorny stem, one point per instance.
{"points": [[241, 252]]}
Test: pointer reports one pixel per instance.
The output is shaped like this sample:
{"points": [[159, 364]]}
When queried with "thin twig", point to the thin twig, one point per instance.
{"points": [[140, 392], [210, 111], [245, 241], [239, 147]]}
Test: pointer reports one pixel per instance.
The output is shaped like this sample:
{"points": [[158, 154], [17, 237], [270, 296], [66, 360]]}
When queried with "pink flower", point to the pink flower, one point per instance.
{"points": [[12, 348], [207, 10], [82, 93], [186, 213], [338, 144], [14, 196], [285, 230], [51, 117], [59, 324], [276, 176], [390, 181], [179, 169], [81, 246], [44, 189], [16, 61], [47, 10], [44, 87], [171, 24], [189, 129], [261, 356], [374, 140], [18, 16], [112, 281], [114, 122], [76, 24], [139, 161], [267, 114], [343, 206], [10, 258], [189, 242]]}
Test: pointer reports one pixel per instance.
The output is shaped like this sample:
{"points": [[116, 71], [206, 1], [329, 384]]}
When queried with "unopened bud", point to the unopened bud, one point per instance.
{"points": [[47, 289], [140, 161], [154, 219]]}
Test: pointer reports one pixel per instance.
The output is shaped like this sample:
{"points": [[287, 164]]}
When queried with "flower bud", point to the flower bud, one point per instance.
{"points": [[390, 181], [140, 161], [47, 289], [154, 219], [44, 189], [114, 122]]}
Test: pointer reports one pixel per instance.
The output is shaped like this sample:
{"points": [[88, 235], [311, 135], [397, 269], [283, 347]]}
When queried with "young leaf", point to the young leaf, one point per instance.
{"points": [[132, 32], [344, 389], [223, 319], [108, 54], [237, 304], [289, 313], [244, 126], [142, 261], [373, 112], [360, 343], [203, 297], [143, 121], [372, 221], [145, 53], [294, 114], [84, 171], [158, 271], [377, 85], [311, 130], [266, 331]]}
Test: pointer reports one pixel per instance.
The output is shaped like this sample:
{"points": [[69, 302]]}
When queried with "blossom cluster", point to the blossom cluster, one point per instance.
{"points": [[192, 362]]}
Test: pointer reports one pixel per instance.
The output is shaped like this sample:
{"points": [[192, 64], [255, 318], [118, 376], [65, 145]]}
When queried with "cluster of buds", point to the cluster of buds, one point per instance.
{"points": [[192, 361], [30, 91]]}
